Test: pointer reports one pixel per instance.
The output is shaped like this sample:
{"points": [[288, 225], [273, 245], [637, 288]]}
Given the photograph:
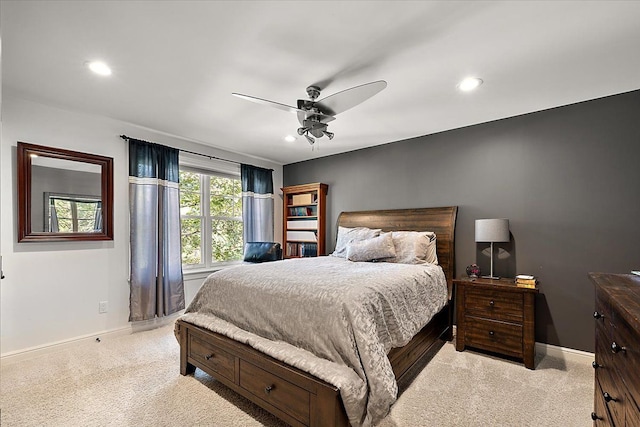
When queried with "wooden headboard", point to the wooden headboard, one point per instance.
{"points": [[441, 221]]}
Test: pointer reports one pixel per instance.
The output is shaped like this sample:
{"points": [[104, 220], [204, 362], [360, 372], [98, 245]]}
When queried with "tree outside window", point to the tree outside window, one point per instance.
{"points": [[211, 218]]}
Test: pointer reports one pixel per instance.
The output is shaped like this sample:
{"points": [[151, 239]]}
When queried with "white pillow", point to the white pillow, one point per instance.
{"points": [[347, 235], [414, 247], [378, 248]]}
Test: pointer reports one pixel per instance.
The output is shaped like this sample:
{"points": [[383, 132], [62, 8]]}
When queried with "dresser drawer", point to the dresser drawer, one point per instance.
{"points": [[600, 414], [627, 358], [216, 360], [499, 337], [276, 391], [602, 312], [494, 304], [612, 392], [633, 413]]}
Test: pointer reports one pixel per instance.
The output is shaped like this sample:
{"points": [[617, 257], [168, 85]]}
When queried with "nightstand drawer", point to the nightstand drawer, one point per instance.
{"points": [[494, 304], [499, 337]]}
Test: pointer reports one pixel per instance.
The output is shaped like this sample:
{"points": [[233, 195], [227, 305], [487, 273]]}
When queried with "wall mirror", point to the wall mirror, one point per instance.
{"points": [[63, 195]]}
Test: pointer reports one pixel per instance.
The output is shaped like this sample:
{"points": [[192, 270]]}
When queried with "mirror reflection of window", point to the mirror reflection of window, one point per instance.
{"points": [[77, 189], [73, 214]]}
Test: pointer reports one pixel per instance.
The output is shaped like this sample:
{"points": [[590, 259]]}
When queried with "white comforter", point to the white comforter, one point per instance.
{"points": [[333, 318]]}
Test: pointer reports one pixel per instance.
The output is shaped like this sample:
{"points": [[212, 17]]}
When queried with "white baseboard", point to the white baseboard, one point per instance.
{"points": [[563, 353], [28, 353]]}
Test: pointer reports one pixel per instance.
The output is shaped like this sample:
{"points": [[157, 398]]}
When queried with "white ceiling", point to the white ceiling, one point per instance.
{"points": [[175, 64]]}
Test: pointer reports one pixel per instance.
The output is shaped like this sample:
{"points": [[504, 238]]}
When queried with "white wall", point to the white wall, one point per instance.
{"points": [[51, 290]]}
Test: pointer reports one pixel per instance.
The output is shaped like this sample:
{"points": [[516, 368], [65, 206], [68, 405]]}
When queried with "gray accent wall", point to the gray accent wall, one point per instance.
{"points": [[568, 180]]}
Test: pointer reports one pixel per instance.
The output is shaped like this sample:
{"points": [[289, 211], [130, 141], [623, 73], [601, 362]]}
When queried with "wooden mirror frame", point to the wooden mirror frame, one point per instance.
{"points": [[25, 152]]}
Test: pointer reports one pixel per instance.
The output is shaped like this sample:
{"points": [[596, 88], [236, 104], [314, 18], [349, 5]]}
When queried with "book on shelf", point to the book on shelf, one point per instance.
{"points": [[303, 211], [526, 280], [301, 249]]}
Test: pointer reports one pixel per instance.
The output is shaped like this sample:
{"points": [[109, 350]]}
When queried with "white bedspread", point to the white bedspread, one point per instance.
{"points": [[333, 318]]}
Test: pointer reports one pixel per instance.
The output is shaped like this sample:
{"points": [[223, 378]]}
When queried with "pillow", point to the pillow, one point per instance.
{"points": [[414, 247], [371, 249], [347, 235]]}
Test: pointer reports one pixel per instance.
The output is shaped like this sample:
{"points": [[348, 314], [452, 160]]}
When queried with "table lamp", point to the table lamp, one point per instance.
{"points": [[492, 230]]}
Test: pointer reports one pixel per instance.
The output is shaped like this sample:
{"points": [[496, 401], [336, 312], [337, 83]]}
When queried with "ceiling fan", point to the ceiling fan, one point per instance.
{"points": [[315, 115]]}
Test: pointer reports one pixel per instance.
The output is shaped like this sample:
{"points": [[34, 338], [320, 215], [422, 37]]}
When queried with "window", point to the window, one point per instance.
{"points": [[211, 218], [69, 213]]}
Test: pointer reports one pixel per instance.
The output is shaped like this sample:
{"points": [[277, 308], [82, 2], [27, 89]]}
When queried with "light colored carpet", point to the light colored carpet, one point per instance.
{"points": [[134, 381]]}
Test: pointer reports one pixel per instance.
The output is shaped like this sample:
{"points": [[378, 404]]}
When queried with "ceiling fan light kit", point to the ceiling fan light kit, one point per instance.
{"points": [[315, 115]]}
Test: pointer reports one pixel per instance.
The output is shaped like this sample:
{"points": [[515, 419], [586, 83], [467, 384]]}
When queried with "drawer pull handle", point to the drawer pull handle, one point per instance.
{"points": [[595, 417], [607, 397], [616, 348], [491, 303], [209, 356], [268, 388], [597, 315], [491, 333], [595, 365]]}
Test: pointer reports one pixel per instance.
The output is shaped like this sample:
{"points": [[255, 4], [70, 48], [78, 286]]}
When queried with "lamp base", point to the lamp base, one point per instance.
{"points": [[491, 277]]}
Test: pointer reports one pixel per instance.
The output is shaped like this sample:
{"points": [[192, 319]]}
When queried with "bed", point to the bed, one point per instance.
{"points": [[284, 378]]}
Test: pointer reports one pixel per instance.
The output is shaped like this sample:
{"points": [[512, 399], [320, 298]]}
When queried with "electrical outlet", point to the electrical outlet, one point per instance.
{"points": [[103, 306]]}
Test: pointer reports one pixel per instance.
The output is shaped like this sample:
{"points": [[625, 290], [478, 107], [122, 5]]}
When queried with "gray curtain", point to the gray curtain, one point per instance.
{"points": [[257, 204], [157, 286]]}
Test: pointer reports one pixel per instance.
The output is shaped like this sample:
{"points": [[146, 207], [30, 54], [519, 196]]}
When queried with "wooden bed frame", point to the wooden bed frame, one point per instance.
{"points": [[293, 395]]}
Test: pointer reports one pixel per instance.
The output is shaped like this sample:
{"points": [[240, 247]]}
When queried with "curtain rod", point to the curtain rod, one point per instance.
{"points": [[127, 138]]}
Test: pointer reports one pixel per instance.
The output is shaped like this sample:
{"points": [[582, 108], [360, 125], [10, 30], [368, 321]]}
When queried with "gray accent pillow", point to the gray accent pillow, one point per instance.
{"points": [[378, 248], [414, 247], [347, 235]]}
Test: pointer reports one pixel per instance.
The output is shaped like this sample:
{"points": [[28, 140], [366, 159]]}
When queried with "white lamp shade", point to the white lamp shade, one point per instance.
{"points": [[492, 230]]}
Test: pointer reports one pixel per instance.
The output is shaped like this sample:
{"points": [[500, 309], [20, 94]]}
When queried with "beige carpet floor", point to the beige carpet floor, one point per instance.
{"points": [[133, 380]]}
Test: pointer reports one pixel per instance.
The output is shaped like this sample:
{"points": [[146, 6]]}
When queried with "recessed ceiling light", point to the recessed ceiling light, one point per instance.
{"points": [[470, 83], [99, 67], [290, 138]]}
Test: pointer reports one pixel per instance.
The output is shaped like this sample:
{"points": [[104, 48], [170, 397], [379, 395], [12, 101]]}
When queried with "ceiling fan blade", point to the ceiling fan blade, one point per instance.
{"points": [[277, 105], [348, 98], [302, 114]]}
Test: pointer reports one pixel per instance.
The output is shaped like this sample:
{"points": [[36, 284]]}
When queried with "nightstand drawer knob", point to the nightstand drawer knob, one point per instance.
{"points": [[616, 348], [595, 417], [595, 365], [209, 356], [491, 303], [268, 388], [491, 333], [597, 315]]}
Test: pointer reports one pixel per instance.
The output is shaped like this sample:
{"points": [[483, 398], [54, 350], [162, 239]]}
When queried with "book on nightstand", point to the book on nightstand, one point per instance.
{"points": [[526, 281]]}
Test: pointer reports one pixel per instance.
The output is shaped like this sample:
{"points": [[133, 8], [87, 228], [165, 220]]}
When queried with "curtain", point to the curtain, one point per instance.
{"points": [[257, 204], [157, 286]]}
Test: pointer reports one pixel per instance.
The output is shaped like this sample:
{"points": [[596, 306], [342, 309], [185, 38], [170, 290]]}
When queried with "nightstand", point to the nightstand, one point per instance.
{"points": [[496, 316]]}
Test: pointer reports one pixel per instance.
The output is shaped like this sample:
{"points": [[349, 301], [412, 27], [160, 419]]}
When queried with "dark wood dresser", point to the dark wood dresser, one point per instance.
{"points": [[496, 316], [617, 364]]}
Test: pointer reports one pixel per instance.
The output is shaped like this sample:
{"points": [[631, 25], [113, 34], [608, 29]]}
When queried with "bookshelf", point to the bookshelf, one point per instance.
{"points": [[304, 220]]}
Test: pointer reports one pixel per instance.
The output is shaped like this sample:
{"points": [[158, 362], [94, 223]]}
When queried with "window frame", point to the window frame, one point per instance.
{"points": [[207, 168]]}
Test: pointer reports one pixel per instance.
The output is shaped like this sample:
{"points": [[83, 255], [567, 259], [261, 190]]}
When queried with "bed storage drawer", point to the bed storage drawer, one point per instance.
{"points": [[276, 391], [218, 361]]}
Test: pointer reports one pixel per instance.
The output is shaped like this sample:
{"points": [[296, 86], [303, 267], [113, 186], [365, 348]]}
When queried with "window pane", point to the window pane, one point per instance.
{"points": [[190, 193], [86, 215], [191, 241], [226, 240], [64, 214], [225, 195]]}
